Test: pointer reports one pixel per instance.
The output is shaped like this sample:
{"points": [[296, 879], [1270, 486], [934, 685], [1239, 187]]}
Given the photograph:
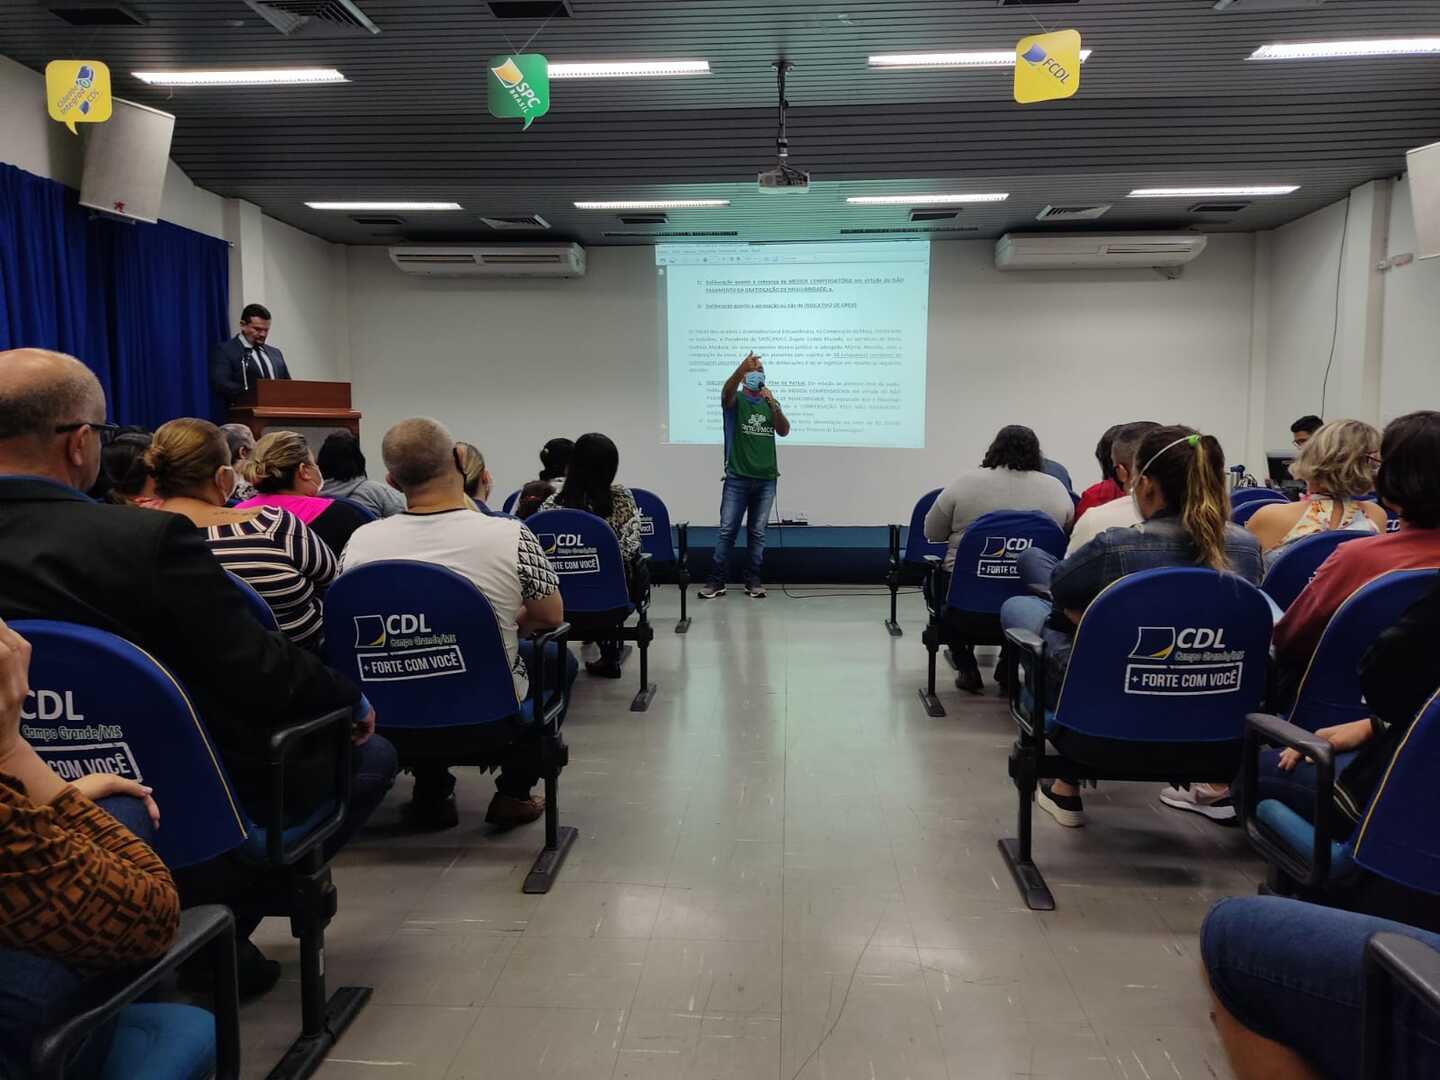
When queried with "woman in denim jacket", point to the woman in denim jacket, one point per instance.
{"points": [[1181, 496]]}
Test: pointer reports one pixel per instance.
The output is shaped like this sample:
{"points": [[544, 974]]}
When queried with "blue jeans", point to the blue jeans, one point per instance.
{"points": [[1296, 788], [1025, 613], [742, 496], [1293, 973], [36, 991]]}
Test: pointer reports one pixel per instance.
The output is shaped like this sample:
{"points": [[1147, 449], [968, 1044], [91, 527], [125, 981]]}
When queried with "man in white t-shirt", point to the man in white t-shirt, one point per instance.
{"points": [[501, 556]]}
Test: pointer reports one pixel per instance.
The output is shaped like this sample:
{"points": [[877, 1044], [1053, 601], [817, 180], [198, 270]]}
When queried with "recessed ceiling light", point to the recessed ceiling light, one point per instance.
{"points": [[982, 58], [627, 69], [1321, 50], [239, 77], [926, 199], [1211, 192], [655, 204], [384, 206]]}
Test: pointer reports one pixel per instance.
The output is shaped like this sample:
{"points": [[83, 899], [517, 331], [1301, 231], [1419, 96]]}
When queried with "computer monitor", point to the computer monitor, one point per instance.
{"points": [[1277, 464]]}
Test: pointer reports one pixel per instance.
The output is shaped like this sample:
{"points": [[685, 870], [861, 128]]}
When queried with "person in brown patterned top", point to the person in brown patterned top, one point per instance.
{"points": [[79, 892]]}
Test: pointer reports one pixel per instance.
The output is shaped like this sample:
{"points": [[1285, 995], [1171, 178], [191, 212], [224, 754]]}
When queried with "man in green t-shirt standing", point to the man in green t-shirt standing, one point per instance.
{"points": [[752, 420]]}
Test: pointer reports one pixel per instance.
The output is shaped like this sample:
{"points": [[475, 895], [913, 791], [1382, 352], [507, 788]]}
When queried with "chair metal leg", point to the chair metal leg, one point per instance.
{"points": [[646, 692], [927, 693], [683, 626], [892, 624], [558, 841], [1017, 851]]}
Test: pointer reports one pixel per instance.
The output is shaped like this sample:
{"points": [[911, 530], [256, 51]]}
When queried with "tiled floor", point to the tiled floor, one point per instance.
{"points": [[785, 870]]}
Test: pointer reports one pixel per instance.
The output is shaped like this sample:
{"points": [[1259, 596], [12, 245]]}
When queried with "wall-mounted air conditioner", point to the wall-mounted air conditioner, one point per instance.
{"points": [[1095, 251], [490, 260]]}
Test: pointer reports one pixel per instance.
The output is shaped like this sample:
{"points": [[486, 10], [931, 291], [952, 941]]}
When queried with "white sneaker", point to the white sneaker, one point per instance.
{"points": [[1068, 810], [710, 592], [589, 652], [1203, 799], [755, 592]]}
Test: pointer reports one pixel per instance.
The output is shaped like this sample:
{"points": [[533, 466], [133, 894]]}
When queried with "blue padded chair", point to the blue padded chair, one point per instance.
{"points": [[1240, 513], [918, 560], [1393, 843], [1392, 520], [1397, 968], [255, 602], [138, 720], [1240, 496], [425, 644], [585, 554], [508, 506], [154, 1040], [672, 561], [1169, 661], [986, 574], [1329, 691], [360, 508], [1297, 562]]}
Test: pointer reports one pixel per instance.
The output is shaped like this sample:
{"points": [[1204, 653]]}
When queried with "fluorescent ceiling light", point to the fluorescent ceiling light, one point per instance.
{"points": [[384, 206], [1211, 192], [1320, 50], [627, 69], [983, 58], [250, 77], [655, 204], [926, 200]]}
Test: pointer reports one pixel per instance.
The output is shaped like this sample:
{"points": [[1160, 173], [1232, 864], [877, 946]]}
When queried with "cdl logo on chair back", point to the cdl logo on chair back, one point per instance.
{"points": [[97, 704], [585, 555], [1168, 655], [655, 538], [423, 644], [987, 572]]}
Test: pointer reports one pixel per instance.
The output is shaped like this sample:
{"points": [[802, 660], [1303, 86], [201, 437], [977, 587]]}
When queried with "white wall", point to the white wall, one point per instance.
{"points": [[508, 365], [1410, 378], [306, 292]]}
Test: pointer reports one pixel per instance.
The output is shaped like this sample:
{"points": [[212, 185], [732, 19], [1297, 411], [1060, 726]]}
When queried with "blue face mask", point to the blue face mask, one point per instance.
{"points": [[754, 380]]}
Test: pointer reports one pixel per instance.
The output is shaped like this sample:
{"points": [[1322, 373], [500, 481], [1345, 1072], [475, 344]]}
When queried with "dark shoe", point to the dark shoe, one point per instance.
{"points": [[604, 669], [1068, 810], [968, 678], [756, 591], [432, 815], [255, 974], [507, 811], [710, 592]]}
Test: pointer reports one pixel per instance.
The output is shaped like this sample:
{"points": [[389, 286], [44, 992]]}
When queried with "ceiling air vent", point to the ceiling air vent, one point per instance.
{"points": [[1218, 207], [1073, 213], [530, 9], [517, 223], [902, 229], [378, 220], [934, 215], [666, 235], [644, 219], [1034, 3], [96, 14], [314, 18], [1249, 7]]}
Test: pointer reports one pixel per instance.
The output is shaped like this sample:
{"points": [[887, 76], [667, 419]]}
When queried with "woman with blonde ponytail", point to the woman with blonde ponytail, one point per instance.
{"points": [[1184, 505]]}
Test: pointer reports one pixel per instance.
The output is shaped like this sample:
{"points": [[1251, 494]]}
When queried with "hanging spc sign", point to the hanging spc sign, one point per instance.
{"points": [[77, 92], [1047, 66], [518, 85]]}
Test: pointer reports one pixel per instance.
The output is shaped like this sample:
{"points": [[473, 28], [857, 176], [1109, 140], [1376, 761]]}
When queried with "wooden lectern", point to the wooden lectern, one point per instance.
{"points": [[294, 404]]}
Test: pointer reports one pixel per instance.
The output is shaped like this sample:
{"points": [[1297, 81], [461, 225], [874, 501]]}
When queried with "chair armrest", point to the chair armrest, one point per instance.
{"points": [[560, 637], [1394, 962], [1029, 652], [936, 604], [682, 534], [212, 927], [1262, 729], [341, 724]]}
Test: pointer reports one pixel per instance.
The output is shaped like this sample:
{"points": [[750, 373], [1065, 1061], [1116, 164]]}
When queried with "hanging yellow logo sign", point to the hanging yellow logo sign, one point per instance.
{"points": [[77, 92], [1047, 66]]}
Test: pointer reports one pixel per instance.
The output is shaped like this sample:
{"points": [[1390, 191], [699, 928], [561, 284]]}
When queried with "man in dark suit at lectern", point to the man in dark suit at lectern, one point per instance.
{"points": [[238, 362]]}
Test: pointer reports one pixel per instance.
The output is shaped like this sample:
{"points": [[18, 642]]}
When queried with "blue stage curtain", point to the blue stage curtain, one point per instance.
{"points": [[141, 305]]}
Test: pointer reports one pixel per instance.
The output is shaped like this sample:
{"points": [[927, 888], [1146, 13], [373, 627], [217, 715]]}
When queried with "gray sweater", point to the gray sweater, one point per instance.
{"points": [[982, 491], [380, 499]]}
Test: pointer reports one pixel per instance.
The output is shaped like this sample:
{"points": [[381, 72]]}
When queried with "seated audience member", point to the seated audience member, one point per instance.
{"points": [[1287, 980], [82, 894], [554, 460], [150, 578], [272, 549], [1337, 466], [1109, 488], [124, 479], [532, 497], [1010, 477], [1050, 467], [478, 481], [590, 485], [242, 447], [1180, 491], [1302, 429], [506, 563], [1117, 513], [285, 474], [343, 465], [1408, 481]]}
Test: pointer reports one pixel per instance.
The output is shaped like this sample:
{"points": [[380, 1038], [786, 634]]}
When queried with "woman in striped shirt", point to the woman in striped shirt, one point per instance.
{"points": [[273, 550]]}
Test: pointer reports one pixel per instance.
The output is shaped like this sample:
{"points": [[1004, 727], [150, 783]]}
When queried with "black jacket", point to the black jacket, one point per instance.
{"points": [[149, 577], [231, 369]]}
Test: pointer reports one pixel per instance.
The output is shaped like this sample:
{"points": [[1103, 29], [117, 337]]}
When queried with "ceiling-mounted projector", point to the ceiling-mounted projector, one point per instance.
{"points": [[783, 179]]}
